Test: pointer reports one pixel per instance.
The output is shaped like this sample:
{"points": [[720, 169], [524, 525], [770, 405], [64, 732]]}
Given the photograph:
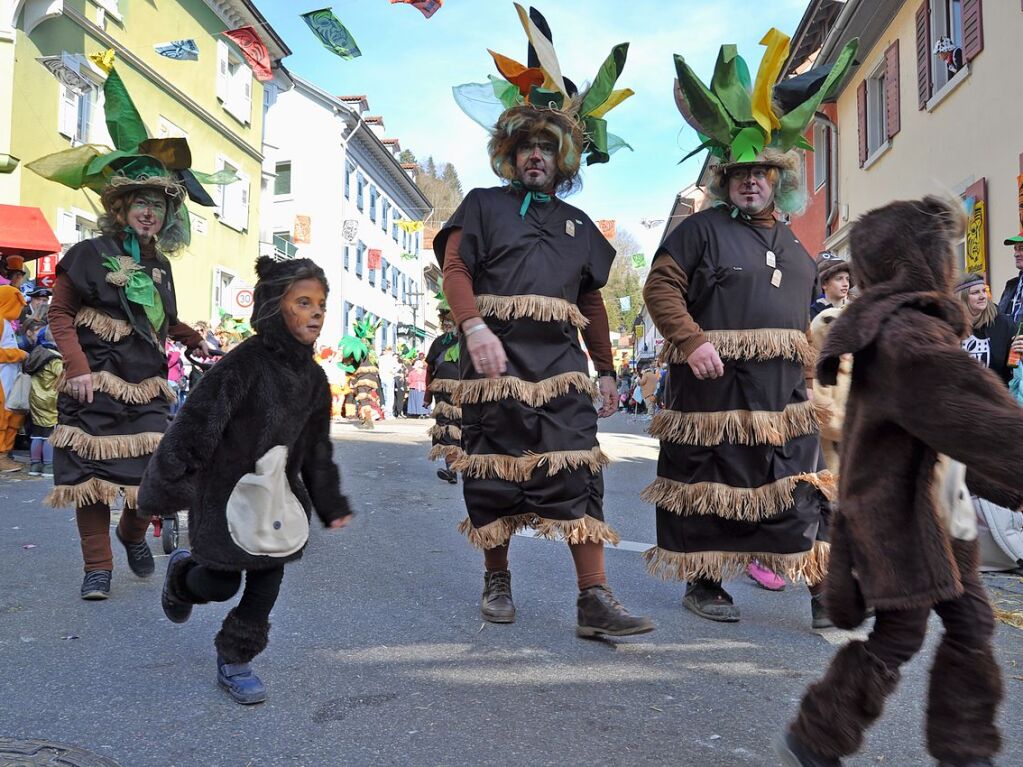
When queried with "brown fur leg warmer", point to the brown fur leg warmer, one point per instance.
{"points": [[837, 709], [965, 690], [239, 641]]}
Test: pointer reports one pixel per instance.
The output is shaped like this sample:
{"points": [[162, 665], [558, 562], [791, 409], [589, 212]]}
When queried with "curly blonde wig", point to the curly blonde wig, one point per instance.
{"points": [[522, 123]]}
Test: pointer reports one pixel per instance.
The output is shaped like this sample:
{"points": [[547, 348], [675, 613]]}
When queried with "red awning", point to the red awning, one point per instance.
{"points": [[24, 232]]}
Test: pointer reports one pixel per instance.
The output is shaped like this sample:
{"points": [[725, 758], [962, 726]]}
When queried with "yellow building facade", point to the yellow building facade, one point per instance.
{"points": [[910, 122], [214, 102]]}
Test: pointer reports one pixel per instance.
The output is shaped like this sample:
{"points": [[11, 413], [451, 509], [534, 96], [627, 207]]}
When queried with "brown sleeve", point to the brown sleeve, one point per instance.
{"points": [[665, 296], [458, 281], [598, 339], [64, 308], [184, 334]]}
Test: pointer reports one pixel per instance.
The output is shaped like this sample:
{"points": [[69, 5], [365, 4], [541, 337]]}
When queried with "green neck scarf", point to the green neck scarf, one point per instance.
{"points": [[529, 197], [137, 282], [131, 244]]}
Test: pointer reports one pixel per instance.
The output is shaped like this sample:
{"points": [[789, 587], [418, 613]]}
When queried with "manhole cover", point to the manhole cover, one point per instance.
{"points": [[33, 753]]}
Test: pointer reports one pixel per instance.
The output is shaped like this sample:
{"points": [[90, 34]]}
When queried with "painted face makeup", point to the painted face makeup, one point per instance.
{"points": [[304, 307], [146, 214]]}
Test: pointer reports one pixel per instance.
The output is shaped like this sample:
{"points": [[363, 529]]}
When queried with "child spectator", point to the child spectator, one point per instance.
{"points": [[249, 455], [46, 366], [11, 304]]}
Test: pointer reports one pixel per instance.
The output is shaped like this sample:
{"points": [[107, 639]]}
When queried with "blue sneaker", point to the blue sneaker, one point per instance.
{"points": [[240, 682]]}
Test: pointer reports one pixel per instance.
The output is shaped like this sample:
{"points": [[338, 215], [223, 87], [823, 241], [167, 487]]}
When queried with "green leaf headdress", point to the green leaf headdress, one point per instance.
{"points": [[443, 307], [738, 118], [540, 84], [358, 345]]}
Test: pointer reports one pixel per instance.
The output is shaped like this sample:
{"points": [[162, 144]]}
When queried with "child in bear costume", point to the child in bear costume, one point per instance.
{"points": [[902, 541], [249, 455]]}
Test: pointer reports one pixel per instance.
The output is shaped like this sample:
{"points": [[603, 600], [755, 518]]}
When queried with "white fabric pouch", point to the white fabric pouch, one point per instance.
{"points": [[263, 516], [953, 499]]}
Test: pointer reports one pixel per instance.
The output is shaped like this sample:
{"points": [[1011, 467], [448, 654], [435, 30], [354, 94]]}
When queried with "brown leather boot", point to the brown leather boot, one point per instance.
{"points": [[9, 465], [600, 613], [496, 604]]}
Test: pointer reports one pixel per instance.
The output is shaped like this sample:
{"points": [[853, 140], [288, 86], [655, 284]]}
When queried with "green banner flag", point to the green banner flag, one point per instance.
{"points": [[638, 260], [332, 33]]}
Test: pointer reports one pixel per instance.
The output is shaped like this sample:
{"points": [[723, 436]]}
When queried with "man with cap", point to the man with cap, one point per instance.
{"points": [[1011, 302], [39, 303], [833, 277], [730, 290]]}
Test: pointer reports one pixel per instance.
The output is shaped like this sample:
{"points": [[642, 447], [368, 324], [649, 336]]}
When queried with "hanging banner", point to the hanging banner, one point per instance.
{"points": [[332, 33], [428, 7], [66, 68], [638, 260], [409, 226], [105, 60], [607, 228], [625, 302], [373, 258], [46, 271], [179, 50], [301, 233], [976, 247], [254, 51], [350, 229]]}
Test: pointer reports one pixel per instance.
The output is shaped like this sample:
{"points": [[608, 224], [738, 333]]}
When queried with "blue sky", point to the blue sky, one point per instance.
{"points": [[409, 64]]}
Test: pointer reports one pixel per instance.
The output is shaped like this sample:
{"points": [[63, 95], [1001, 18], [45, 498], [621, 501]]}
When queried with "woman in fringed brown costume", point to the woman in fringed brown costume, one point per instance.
{"points": [[441, 380], [114, 399], [522, 273]]}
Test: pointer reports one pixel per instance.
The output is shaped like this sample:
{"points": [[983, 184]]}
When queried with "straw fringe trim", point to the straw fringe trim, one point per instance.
{"points": [[533, 394], [91, 491], [500, 531], [442, 432], [452, 452], [760, 344], [106, 327], [521, 468], [539, 308], [444, 385], [810, 566], [746, 504], [369, 383], [740, 427], [129, 393], [104, 448], [445, 410]]}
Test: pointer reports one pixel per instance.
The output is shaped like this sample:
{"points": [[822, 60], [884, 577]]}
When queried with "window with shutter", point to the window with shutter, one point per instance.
{"points": [[923, 54], [861, 119], [66, 227], [242, 216], [344, 263], [892, 96], [223, 75], [67, 115], [360, 254], [83, 118], [973, 29]]}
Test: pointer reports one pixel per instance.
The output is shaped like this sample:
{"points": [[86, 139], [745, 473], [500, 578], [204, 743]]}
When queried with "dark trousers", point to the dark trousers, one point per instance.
{"points": [[968, 620], [261, 589], [399, 402]]}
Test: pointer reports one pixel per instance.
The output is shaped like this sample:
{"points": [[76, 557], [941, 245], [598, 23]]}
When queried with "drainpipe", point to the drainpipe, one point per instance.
{"points": [[831, 41]]}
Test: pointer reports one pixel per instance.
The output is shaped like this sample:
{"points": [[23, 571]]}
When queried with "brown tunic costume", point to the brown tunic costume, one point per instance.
{"points": [[737, 474], [531, 457]]}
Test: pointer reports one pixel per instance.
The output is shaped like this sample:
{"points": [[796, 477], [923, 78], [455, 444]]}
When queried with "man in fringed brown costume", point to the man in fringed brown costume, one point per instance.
{"points": [[522, 273]]}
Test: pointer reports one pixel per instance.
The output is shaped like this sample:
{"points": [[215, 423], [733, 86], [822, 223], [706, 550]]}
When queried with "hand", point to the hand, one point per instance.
{"points": [[1017, 345], [337, 524], [705, 362], [486, 352], [81, 387], [608, 396], [203, 349]]}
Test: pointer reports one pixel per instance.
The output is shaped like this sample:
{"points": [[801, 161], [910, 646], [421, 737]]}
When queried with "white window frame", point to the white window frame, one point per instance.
{"points": [[70, 105], [218, 288], [233, 199], [75, 225], [877, 111], [943, 26], [234, 83], [284, 195], [821, 158]]}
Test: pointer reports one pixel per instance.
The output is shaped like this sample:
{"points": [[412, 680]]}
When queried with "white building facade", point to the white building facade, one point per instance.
{"points": [[338, 194]]}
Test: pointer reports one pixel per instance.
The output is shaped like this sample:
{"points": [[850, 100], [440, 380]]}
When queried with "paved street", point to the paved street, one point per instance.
{"points": [[378, 656]]}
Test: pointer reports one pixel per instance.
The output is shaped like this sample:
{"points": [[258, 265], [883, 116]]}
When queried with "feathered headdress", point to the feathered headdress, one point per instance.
{"points": [[737, 118], [540, 84]]}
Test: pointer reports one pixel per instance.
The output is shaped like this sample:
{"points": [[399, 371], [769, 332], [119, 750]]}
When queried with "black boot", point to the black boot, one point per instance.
{"points": [[794, 753], [708, 600], [818, 614], [496, 604], [599, 613], [838, 708], [175, 598], [962, 704]]}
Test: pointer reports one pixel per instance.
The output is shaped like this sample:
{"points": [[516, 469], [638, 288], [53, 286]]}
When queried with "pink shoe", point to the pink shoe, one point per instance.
{"points": [[766, 579]]}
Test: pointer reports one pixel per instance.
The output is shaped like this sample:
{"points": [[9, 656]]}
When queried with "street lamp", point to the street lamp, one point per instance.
{"points": [[411, 301]]}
